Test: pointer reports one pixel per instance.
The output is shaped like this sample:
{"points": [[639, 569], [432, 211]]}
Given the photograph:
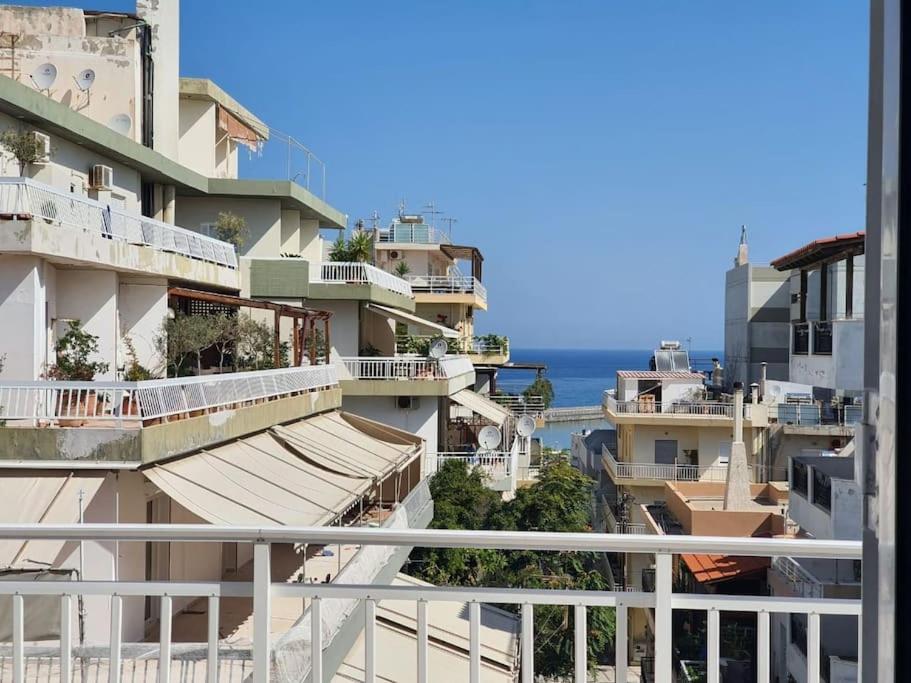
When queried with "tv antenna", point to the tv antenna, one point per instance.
{"points": [[450, 221], [431, 205], [375, 218], [402, 207]]}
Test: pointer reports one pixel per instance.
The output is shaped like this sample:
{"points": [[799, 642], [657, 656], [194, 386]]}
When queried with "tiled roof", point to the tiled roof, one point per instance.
{"points": [[712, 568], [821, 250], [658, 374]]}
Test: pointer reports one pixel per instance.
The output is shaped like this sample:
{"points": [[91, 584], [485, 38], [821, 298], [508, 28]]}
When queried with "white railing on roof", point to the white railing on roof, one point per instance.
{"points": [[521, 405], [413, 233], [707, 409], [406, 367], [447, 284], [662, 601], [358, 273], [27, 198], [495, 464], [69, 403]]}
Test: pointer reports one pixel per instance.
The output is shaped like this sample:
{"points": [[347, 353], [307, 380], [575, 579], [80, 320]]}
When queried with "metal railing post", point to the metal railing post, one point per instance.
{"points": [[664, 661], [262, 611]]}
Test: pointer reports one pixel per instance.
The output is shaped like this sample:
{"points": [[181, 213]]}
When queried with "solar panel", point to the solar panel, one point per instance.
{"points": [[681, 360], [664, 361]]}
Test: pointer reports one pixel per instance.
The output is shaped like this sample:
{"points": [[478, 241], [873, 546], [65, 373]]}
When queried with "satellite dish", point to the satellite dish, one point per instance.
{"points": [[489, 437], [121, 123], [85, 79], [438, 348], [775, 390], [44, 76], [525, 425]]}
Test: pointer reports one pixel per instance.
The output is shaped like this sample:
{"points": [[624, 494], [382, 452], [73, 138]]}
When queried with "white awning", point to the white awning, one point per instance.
{"points": [[481, 405], [31, 497], [303, 474], [409, 319]]}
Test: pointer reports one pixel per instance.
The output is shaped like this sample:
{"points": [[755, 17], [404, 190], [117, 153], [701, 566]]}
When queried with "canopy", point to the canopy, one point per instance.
{"points": [[34, 496], [409, 319], [481, 405], [303, 474], [714, 568]]}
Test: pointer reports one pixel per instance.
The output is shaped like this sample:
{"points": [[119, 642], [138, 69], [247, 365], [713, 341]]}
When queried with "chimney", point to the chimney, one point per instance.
{"points": [[737, 487], [754, 393], [762, 378], [163, 18]]}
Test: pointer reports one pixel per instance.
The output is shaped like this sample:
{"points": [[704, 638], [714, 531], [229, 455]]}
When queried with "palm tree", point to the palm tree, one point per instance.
{"points": [[402, 268], [360, 246]]}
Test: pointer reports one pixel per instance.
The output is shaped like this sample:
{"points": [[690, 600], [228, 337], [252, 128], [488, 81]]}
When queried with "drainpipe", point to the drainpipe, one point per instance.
{"points": [[762, 379]]}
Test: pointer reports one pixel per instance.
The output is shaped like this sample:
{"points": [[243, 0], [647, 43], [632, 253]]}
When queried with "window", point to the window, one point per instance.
{"points": [[800, 478], [799, 632], [822, 490]]}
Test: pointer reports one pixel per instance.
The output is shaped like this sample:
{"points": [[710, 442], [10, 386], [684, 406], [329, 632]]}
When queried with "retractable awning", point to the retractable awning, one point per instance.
{"points": [[481, 405], [42, 497], [306, 473], [409, 319]]}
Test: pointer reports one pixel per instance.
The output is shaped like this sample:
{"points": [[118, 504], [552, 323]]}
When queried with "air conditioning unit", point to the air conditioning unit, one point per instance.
{"points": [[393, 255], [407, 402], [43, 143], [102, 177]]}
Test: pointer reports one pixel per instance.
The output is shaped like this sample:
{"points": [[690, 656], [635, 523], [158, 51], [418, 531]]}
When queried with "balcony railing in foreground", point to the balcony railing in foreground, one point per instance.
{"points": [[406, 367], [341, 272], [72, 404], [662, 601], [24, 197], [447, 284]]}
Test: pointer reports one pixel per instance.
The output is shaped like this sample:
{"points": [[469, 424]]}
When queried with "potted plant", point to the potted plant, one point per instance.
{"points": [[73, 350], [133, 371], [24, 146], [402, 268]]}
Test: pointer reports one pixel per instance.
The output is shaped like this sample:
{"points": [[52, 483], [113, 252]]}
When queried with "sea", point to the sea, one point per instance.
{"points": [[579, 377]]}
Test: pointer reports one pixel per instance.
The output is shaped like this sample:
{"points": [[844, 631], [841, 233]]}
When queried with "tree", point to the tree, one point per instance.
{"points": [[134, 371], [558, 501], [229, 227], [226, 332], [540, 387], [24, 146], [358, 249], [73, 350], [183, 337], [402, 268]]}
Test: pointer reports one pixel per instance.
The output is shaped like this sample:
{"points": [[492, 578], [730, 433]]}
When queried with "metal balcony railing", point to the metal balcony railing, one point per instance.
{"points": [[447, 284], [477, 345], [495, 464], [662, 601], [413, 233], [801, 581], [660, 472], [406, 368], [24, 197], [74, 403], [822, 338], [613, 526], [706, 409], [358, 273]]}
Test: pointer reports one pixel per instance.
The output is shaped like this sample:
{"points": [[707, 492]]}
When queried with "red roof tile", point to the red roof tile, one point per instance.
{"points": [[712, 568], [819, 250]]}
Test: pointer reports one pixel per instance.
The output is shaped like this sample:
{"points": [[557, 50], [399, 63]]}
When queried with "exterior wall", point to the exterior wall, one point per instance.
{"points": [[59, 36], [164, 20], [143, 308], [197, 136], [843, 522], [456, 316], [22, 309], [423, 420], [344, 325], [378, 332], [310, 243], [711, 442], [90, 296], [263, 218], [842, 369]]}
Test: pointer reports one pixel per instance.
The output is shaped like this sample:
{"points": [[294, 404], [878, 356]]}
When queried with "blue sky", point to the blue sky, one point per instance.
{"points": [[603, 155]]}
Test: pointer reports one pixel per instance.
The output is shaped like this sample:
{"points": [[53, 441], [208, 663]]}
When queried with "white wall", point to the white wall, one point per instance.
{"points": [[164, 20], [22, 310], [90, 296], [344, 325], [422, 421], [197, 136], [263, 218], [143, 304]]}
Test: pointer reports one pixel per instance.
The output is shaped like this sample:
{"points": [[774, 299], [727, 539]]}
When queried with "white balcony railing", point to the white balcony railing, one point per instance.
{"points": [[27, 198], [801, 581], [495, 464], [476, 346], [406, 367], [413, 233], [662, 601], [659, 472], [447, 284], [521, 405], [706, 409], [68, 403], [358, 273]]}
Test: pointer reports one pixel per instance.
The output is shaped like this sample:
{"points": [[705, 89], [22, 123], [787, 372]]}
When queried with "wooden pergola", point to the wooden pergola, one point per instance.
{"points": [[303, 321]]}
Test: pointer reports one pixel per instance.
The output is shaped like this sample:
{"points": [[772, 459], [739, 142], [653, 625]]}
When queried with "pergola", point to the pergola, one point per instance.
{"points": [[300, 316]]}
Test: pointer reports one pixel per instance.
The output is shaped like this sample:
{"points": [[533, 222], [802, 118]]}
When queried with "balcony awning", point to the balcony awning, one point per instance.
{"points": [[715, 568], [481, 405], [42, 497], [302, 474], [409, 319]]}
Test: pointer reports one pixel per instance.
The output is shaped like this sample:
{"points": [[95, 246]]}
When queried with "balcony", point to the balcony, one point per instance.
{"points": [[484, 350], [498, 467], [521, 405], [413, 233], [104, 411], [824, 353], [660, 472], [648, 411], [24, 199], [341, 273], [312, 650], [451, 286], [387, 376], [612, 526]]}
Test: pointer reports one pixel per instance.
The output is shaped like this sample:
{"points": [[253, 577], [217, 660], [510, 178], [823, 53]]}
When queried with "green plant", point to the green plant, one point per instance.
{"points": [[359, 248], [134, 371], [229, 227], [402, 268], [542, 387], [73, 350], [370, 351], [184, 337], [24, 146], [493, 343]]}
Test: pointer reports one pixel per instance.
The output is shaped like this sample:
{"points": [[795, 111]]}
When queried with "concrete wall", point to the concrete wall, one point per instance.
{"points": [[22, 310], [842, 370], [843, 522], [712, 443], [164, 21], [197, 136], [90, 296], [423, 420], [143, 306], [263, 218], [344, 325]]}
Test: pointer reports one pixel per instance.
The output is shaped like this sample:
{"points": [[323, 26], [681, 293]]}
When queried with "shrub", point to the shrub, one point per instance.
{"points": [[73, 350]]}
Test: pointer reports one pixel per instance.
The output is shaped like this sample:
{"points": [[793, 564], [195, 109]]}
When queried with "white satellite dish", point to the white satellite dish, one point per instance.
{"points": [[775, 390], [525, 425], [121, 123], [489, 437], [438, 348], [85, 79], [44, 76]]}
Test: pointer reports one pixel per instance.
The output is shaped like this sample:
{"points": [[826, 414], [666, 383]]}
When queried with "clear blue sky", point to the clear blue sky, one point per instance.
{"points": [[603, 155]]}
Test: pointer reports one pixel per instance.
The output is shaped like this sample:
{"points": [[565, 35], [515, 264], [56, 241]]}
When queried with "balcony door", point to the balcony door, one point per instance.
{"points": [[665, 451]]}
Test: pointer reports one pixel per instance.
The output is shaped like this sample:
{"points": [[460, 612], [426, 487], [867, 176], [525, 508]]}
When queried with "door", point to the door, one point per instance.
{"points": [[665, 451]]}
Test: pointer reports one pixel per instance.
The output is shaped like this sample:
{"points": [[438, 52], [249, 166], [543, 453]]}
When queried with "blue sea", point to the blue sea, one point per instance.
{"points": [[579, 377]]}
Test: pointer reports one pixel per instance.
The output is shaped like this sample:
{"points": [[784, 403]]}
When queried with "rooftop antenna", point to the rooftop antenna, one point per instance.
{"points": [[450, 221], [375, 218], [402, 207], [431, 205]]}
